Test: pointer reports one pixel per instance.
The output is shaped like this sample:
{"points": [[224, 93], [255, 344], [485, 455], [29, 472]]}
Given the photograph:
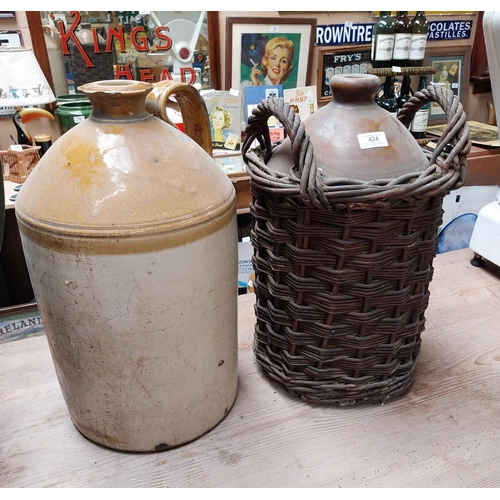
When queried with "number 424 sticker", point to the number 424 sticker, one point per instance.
{"points": [[372, 140]]}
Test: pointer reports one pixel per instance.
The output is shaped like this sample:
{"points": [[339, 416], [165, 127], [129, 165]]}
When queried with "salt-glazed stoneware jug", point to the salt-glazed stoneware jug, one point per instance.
{"points": [[130, 236]]}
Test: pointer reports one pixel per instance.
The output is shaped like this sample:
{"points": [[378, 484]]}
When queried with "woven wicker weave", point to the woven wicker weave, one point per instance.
{"points": [[102, 61], [342, 267]]}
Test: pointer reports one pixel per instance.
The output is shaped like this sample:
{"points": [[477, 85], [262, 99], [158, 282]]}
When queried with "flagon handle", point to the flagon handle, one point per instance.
{"points": [[192, 107]]}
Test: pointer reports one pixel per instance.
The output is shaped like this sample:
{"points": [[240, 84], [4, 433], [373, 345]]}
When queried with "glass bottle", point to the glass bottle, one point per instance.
{"points": [[402, 39], [388, 101], [419, 30], [383, 41], [44, 141], [419, 123], [405, 93]]}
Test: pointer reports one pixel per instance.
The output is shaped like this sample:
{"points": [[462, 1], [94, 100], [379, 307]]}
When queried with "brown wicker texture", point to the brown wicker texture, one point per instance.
{"points": [[17, 165], [102, 61], [342, 267]]}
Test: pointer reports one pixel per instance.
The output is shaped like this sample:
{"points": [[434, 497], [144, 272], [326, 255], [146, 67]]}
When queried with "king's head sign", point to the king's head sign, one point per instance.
{"points": [[139, 40]]}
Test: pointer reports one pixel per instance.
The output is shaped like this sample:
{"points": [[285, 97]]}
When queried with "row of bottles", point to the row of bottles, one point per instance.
{"points": [[392, 104], [399, 41]]}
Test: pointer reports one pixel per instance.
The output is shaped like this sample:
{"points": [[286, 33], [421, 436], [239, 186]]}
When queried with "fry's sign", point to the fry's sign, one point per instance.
{"points": [[140, 43]]}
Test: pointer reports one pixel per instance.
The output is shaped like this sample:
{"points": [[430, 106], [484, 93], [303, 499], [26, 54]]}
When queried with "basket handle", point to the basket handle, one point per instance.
{"points": [[192, 106], [457, 131], [304, 166]]}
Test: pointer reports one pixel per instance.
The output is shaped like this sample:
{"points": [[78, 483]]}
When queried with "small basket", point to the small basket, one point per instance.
{"points": [[342, 267], [102, 64], [17, 165]]}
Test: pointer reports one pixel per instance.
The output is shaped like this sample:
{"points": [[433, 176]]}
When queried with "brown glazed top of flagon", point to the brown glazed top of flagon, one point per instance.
{"points": [[117, 99], [124, 174]]}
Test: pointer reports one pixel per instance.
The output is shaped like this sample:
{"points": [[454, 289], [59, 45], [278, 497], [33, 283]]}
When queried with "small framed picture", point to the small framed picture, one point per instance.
{"points": [[224, 114], [340, 60], [452, 72], [233, 166]]}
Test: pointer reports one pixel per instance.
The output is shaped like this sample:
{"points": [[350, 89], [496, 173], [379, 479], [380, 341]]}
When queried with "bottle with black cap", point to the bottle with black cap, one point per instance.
{"points": [[44, 141]]}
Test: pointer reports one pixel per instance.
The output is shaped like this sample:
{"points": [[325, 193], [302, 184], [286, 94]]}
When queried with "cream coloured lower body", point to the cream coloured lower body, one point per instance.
{"points": [[144, 345]]}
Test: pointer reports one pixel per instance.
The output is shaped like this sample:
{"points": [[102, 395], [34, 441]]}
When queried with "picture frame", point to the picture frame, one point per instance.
{"points": [[452, 64], [340, 59], [232, 165], [11, 38], [224, 110], [245, 49]]}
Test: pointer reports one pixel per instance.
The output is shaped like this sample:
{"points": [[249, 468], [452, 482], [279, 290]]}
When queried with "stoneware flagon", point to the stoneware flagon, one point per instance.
{"points": [[334, 133], [130, 236]]}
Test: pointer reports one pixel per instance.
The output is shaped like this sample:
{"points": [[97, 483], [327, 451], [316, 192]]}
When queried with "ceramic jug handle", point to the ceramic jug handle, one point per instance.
{"points": [[192, 106]]}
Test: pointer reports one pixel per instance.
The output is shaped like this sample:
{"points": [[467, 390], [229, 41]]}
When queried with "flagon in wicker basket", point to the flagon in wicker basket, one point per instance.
{"points": [[343, 265]]}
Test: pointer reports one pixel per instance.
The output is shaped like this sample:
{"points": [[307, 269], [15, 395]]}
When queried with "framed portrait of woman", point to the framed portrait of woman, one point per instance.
{"points": [[224, 110], [269, 51]]}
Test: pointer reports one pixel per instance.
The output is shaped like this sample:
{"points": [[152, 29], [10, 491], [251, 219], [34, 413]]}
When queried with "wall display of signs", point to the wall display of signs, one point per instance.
{"points": [[449, 30], [350, 33], [342, 34]]}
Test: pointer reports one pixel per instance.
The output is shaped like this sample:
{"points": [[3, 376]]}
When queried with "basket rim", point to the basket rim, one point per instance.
{"points": [[306, 181]]}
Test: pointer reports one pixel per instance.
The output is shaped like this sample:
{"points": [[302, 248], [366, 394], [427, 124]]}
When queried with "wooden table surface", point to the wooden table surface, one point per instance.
{"points": [[445, 432]]}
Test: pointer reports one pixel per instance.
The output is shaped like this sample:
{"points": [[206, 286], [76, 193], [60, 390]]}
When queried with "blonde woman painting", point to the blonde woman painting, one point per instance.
{"points": [[276, 64], [220, 123]]}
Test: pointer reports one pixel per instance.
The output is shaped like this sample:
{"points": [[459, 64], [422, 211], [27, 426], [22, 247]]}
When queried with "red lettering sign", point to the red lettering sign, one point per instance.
{"points": [[71, 34], [139, 41], [162, 36], [142, 46], [118, 34], [146, 75], [191, 72]]}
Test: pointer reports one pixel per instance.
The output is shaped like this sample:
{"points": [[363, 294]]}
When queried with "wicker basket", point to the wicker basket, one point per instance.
{"points": [[17, 165], [102, 61], [342, 267]]}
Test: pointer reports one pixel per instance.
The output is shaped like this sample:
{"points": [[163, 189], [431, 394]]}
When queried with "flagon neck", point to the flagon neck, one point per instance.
{"points": [[117, 99]]}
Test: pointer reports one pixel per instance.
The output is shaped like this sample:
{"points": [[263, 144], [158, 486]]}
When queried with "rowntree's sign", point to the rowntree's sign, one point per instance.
{"points": [[350, 33]]}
